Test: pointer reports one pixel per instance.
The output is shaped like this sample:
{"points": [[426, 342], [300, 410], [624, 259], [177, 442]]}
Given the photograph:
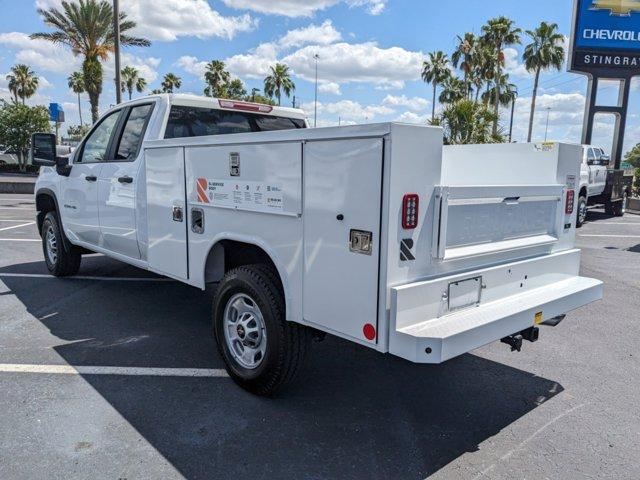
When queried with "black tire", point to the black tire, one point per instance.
{"points": [[286, 342], [64, 263], [581, 215], [620, 208]]}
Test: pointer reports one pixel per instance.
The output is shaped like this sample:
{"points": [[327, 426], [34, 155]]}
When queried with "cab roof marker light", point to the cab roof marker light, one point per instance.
{"points": [[247, 107]]}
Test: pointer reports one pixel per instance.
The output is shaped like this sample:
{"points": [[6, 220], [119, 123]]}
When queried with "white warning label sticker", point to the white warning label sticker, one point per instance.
{"points": [[241, 195]]}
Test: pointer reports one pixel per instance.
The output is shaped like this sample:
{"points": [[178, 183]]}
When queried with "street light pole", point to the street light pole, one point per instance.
{"points": [[546, 130], [116, 48], [513, 109], [316, 57]]}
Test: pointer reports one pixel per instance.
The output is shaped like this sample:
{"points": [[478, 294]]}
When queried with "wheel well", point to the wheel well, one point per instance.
{"points": [[583, 192], [229, 254], [44, 204]]}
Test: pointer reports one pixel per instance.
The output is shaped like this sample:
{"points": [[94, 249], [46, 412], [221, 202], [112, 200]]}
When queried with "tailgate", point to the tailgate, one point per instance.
{"points": [[480, 220], [435, 320]]}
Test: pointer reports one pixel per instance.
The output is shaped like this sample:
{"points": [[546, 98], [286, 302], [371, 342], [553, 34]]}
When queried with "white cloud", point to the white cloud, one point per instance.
{"points": [[412, 117], [255, 63], [317, 34], [167, 20], [364, 62], [415, 104], [297, 8], [348, 110], [40, 54], [512, 63], [330, 87]]}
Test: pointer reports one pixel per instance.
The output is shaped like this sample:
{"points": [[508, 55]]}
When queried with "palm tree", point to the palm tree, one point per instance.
{"points": [[279, 81], [132, 80], [545, 52], [465, 57], [435, 70], [86, 26], [236, 89], [216, 78], [156, 91], [170, 82], [466, 122], [76, 83], [23, 82], [499, 33], [453, 90]]}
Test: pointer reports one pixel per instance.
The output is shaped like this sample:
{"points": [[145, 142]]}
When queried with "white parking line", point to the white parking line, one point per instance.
{"points": [[15, 220], [635, 224], [130, 371], [20, 240], [86, 277], [18, 208], [612, 236], [17, 226]]}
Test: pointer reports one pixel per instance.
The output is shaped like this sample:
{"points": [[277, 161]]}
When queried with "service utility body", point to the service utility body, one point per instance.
{"points": [[374, 233]]}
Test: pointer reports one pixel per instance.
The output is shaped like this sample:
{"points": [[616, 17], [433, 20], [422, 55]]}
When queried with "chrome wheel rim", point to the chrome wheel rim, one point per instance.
{"points": [[244, 331], [51, 245]]}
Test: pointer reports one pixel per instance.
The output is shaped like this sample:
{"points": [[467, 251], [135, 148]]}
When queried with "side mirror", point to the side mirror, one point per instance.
{"points": [[43, 149], [605, 160]]}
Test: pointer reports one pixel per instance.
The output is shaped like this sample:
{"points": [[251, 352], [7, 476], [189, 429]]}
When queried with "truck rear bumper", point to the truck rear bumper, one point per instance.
{"points": [[419, 336]]}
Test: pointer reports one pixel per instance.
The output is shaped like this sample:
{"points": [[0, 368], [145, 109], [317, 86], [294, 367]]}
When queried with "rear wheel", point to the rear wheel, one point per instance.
{"points": [[619, 208], [262, 352], [582, 212], [60, 262]]}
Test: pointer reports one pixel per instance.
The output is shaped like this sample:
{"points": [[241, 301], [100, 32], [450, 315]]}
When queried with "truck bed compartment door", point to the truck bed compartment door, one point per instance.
{"points": [[166, 219], [342, 196]]}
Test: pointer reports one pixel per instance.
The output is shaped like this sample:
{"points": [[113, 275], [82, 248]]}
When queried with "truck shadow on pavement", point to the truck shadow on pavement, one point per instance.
{"points": [[354, 413]]}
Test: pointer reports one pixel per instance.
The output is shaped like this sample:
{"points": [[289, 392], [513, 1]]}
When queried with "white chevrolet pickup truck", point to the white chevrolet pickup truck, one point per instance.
{"points": [[373, 233]]}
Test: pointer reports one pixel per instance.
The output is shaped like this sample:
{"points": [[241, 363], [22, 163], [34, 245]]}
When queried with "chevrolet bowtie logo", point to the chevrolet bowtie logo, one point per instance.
{"points": [[621, 8]]}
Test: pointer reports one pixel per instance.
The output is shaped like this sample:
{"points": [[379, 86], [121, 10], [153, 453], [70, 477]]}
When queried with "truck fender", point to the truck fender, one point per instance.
{"points": [[44, 197], [256, 242]]}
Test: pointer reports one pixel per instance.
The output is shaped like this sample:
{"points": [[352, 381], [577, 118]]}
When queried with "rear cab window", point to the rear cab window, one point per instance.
{"points": [[186, 121]]}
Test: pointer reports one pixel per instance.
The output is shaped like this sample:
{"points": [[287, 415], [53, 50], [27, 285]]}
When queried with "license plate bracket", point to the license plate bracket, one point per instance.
{"points": [[465, 293]]}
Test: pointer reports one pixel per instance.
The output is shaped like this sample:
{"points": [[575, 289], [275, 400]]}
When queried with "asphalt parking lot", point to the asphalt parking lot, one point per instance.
{"points": [[113, 374]]}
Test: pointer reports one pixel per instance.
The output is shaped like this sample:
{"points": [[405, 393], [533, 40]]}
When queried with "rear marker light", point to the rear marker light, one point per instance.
{"points": [[410, 211], [568, 207]]}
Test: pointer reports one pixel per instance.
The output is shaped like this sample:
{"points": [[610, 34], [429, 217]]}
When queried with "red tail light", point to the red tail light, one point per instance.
{"points": [[410, 211], [247, 107], [568, 206]]}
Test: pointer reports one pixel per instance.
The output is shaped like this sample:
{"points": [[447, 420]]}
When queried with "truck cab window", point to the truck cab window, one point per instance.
{"points": [[196, 122], [95, 147], [129, 144], [590, 156]]}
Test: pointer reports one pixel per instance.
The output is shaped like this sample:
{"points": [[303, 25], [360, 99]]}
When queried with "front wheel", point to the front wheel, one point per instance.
{"points": [[582, 212], [59, 261], [262, 352]]}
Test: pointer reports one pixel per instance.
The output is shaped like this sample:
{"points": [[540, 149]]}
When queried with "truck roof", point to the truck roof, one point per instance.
{"points": [[226, 104]]}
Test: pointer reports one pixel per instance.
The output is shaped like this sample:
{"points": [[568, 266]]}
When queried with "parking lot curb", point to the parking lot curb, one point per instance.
{"points": [[17, 184]]}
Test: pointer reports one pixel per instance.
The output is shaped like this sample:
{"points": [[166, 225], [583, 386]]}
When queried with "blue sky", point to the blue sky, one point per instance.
{"points": [[370, 54]]}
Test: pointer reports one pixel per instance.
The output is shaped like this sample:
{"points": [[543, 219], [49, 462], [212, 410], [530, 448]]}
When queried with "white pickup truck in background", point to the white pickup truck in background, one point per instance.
{"points": [[601, 185], [374, 233]]}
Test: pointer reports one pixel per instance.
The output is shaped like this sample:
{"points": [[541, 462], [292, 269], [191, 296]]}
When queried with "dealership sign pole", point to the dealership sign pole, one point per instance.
{"points": [[605, 45]]}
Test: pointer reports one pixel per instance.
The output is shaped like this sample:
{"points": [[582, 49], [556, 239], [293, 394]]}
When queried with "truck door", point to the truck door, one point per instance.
{"points": [[342, 201], [117, 183], [80, 190], [597, 172]]}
